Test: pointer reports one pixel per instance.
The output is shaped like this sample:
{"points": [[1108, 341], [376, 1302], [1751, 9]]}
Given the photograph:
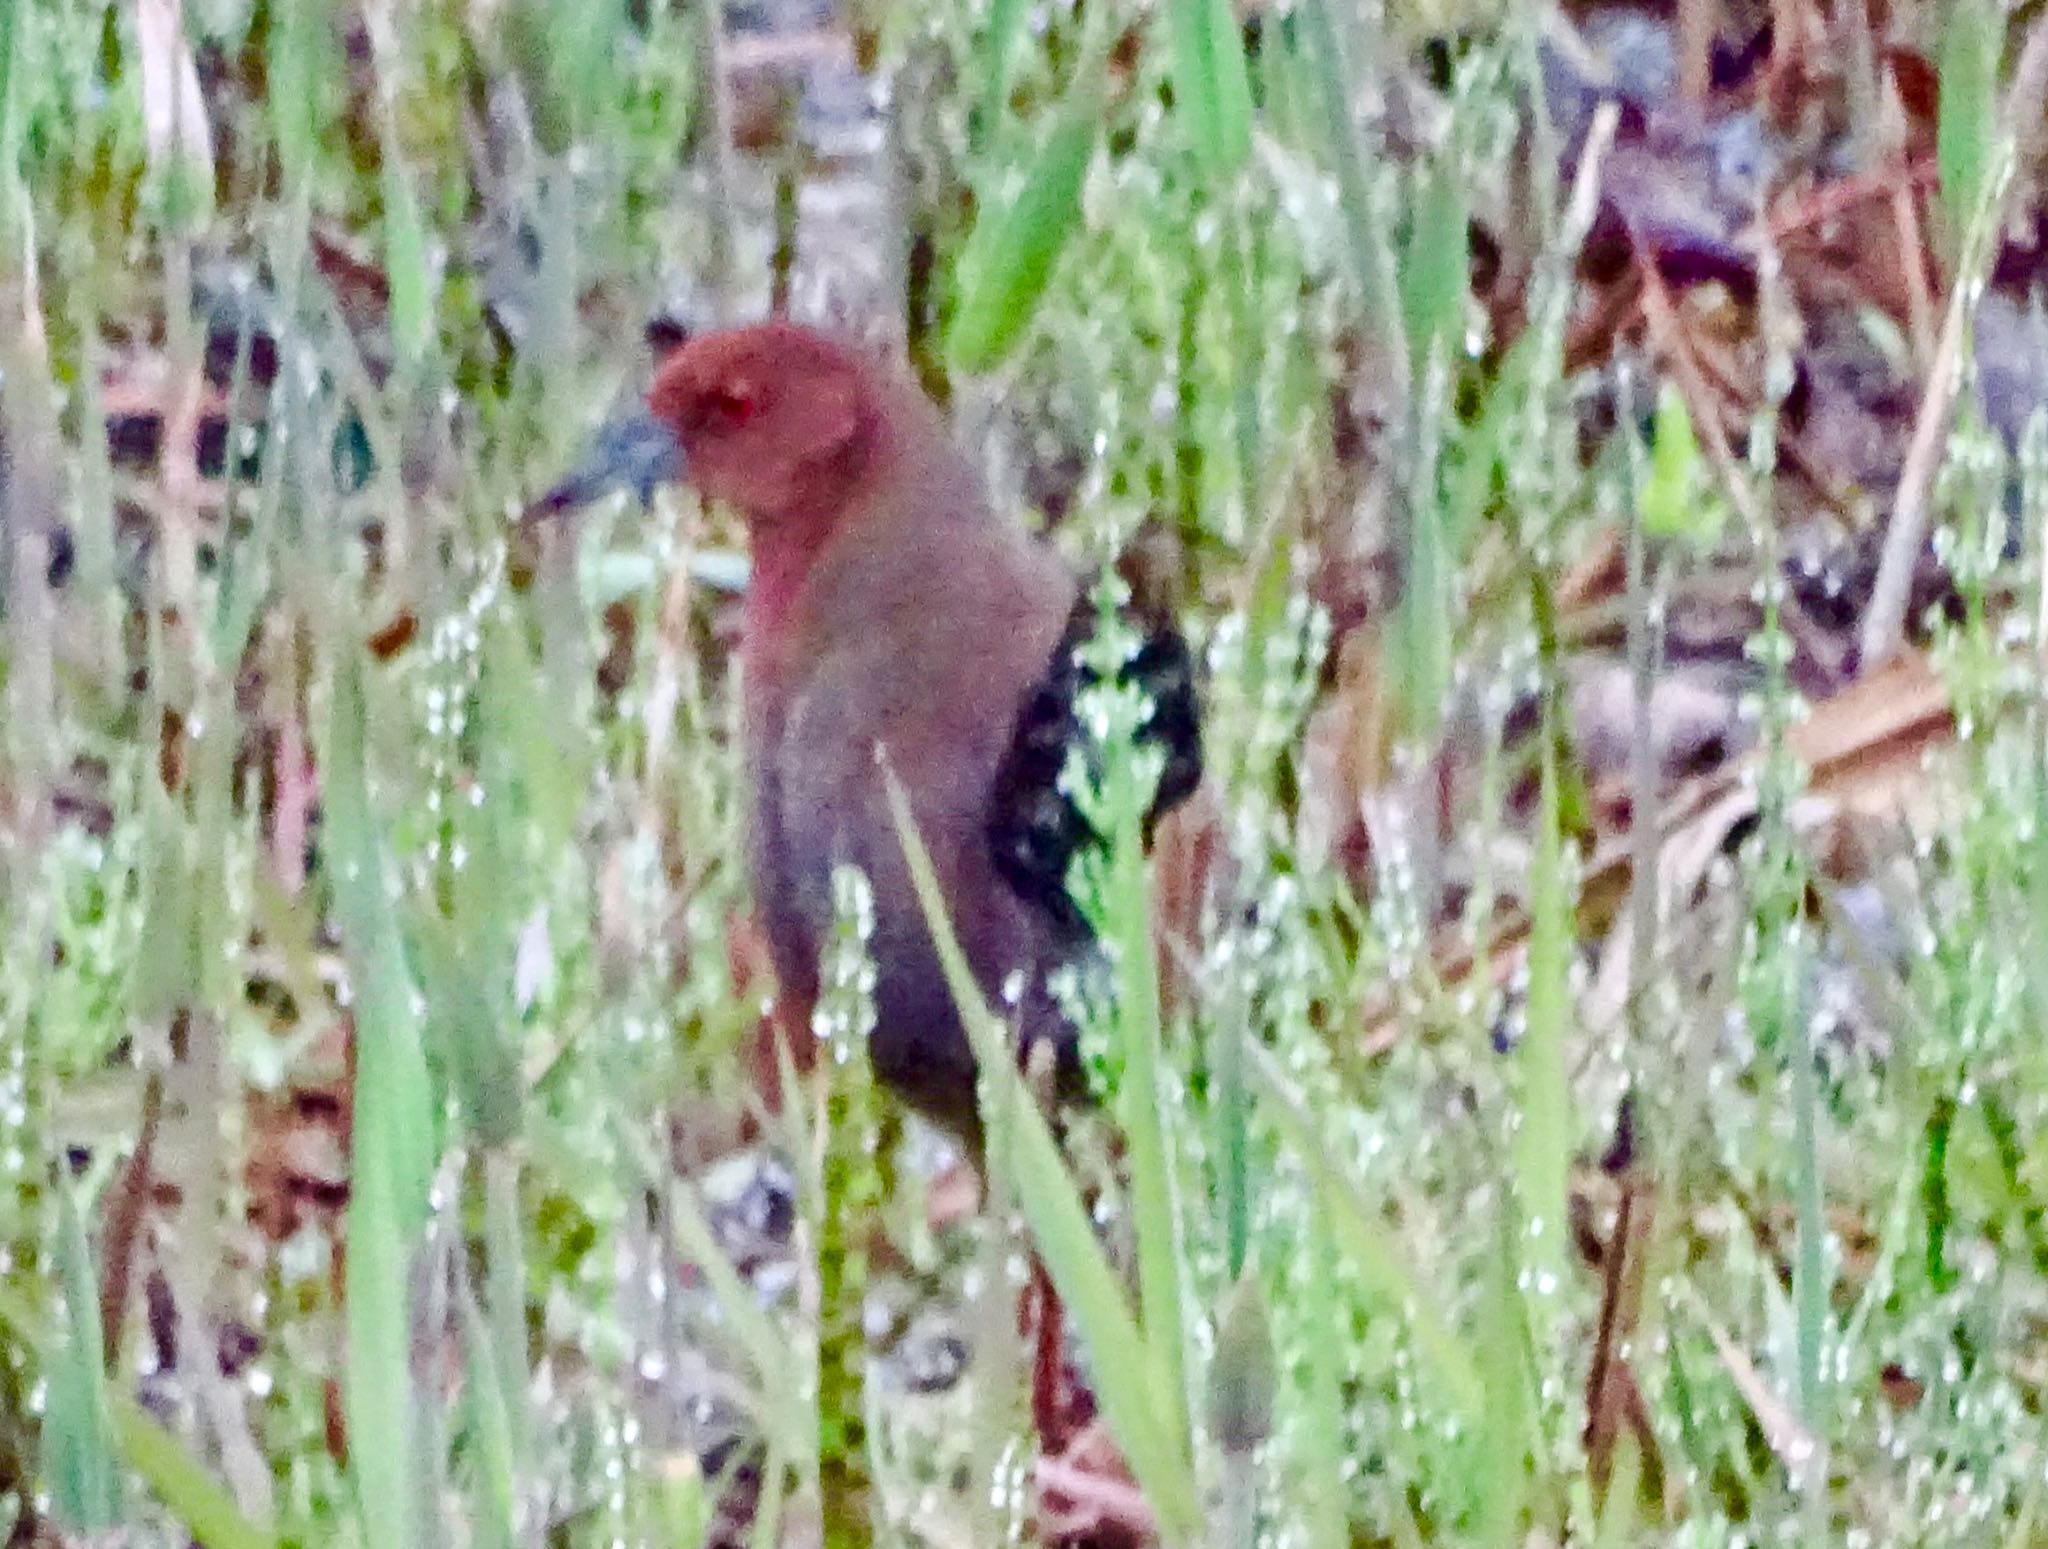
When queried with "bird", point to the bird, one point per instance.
{"points": [[893, 612]]}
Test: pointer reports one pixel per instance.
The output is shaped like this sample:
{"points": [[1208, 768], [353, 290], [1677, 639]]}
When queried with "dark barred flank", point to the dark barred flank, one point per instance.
{"points": [[1035, 829]]}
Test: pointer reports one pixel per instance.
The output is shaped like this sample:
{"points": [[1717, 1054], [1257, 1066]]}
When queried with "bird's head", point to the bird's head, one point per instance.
{"points": [[775, 419]]}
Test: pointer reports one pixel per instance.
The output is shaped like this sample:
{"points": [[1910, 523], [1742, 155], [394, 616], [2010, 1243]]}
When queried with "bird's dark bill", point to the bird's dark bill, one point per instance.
{"points": [[637, 453]]}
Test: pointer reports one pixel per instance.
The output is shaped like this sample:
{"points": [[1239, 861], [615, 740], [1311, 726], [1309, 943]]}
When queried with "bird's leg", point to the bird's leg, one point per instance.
{"points": [[1046, 1321]]}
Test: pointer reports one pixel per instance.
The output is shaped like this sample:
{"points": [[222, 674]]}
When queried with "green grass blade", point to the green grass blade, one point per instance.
{"points": [[393, 1137], [1233, 1143], [998, 48], [494, 1498], [1499, 1480], [1423, 639], [1676, 502], [301, 61], [181, 1481], [407, 265], [468, 1023], [1435, 268], [504, 1293], [1375, 1255], [1543, 1134], [1139, 1097], [1011, 251], [1368, 254], [378, 1388], [84, 1478], [1211, 87], [393, 1095], [1128, 1375], [10, 99], [1966, 123], [1432, 284], [1319, 1446]]}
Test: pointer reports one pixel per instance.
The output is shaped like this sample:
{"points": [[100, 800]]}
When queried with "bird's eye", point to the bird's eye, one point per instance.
{"points": [[732, 408]]}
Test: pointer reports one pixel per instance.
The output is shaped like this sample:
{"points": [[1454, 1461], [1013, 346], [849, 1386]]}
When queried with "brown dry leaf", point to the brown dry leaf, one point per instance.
{"points": [[1598, 576], [1793, 1444], [297, 1171], [1347, 754], [346, 264], [1863, 749]]}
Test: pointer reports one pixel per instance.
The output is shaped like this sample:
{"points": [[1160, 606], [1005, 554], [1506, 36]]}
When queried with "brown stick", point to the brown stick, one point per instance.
{"points": [[127, 1203], [1884, 620]]}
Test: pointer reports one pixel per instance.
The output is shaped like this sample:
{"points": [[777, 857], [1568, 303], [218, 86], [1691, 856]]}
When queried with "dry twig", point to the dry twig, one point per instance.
{"points": [[1884, 620]]}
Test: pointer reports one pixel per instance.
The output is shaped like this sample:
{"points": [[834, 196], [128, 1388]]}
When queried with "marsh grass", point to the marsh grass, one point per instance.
{"points": [[1338, 1298]]}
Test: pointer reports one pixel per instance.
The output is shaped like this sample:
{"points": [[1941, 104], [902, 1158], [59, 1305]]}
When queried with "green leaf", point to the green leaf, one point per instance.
{"points": [[998, 46], [406, 262], [83, 1477], [1139, 1096], [1966, 125], [301, 59], [1506, 1429], [1369, 254], [1435, 269], [504, 1292], [393, 1136], [495, 1495], [1676, 502], [182, 1483], [11, 115], [1423, 640], [391, 1069], [1211, 87], [164, 973], [1009, 255], [408, 268], [464, 973], [380, 1400]]}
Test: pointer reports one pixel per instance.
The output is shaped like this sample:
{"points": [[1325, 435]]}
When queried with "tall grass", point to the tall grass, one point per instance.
{"points": [[1346, 1282]]}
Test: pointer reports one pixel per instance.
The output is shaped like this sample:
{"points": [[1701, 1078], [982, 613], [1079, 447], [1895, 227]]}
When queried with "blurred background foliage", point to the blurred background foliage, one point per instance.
{"points": [[1589, 1087]]}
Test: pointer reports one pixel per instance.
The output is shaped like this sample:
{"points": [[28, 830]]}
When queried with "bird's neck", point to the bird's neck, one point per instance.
{"points": [[782, 558], [907, 473]]}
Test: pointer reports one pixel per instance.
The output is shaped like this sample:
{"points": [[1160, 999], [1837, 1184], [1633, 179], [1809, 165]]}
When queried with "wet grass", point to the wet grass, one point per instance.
{"points": [[368, 868]]}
